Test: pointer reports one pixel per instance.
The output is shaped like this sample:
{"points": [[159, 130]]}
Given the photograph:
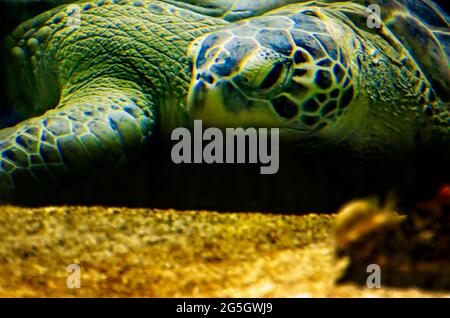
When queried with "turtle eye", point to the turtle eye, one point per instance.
{"points": [[273, 77]]}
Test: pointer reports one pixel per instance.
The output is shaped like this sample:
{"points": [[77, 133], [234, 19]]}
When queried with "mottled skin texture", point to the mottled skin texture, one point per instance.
{"points": [[95, 91], [107, 90]]}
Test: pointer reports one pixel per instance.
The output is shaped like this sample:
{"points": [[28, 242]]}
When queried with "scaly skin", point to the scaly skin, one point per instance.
{"points": [[104, 95], [105, 83]]}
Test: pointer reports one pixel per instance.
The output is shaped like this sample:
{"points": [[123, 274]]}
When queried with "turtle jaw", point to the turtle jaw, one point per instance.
{"points": [[220, 103], [198, 98]]}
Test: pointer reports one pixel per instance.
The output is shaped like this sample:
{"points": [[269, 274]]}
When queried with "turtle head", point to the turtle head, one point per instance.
{"points": [[268, 73]]}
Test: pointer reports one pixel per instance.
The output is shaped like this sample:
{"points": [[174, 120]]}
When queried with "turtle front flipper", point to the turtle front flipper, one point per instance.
{"points": [[97, 127]]}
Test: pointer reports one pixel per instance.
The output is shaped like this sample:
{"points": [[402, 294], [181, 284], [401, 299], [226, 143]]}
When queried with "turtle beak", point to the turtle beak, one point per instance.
{"points": [[196, 98], [203, 92]]}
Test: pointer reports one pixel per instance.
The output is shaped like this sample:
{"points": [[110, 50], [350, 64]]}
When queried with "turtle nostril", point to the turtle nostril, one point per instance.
{"points": [[207, 77]]}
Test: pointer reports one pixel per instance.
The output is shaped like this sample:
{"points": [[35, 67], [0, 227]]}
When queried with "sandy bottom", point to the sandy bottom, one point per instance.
{"points": [[125, 252]]}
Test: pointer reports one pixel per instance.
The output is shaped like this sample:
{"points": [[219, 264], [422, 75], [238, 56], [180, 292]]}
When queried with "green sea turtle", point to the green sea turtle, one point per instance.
{"points": [[96, 79]]}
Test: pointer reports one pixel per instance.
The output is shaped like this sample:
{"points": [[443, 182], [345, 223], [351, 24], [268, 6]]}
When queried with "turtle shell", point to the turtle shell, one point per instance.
{"points": [[424, 29], [232, 10], [420, 26]]}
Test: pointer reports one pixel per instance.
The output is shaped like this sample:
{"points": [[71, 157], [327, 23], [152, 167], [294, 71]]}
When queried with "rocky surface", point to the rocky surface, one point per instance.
{"points": [[166, 253]]}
